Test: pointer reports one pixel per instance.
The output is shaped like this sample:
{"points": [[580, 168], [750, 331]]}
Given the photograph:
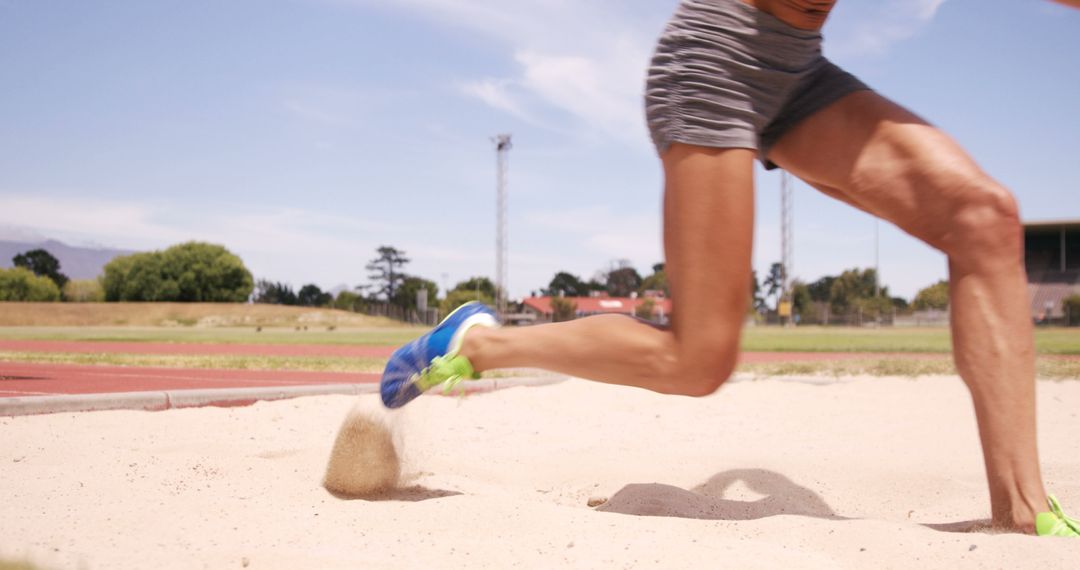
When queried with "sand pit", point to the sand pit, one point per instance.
{"points": [[852, 474]]}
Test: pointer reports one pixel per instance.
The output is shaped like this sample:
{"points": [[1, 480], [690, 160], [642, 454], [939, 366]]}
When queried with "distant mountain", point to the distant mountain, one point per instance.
{"points": [[75, 262]]}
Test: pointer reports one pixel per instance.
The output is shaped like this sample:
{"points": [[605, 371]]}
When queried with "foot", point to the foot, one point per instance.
{"points": [[433, 359], [1055, 523]]}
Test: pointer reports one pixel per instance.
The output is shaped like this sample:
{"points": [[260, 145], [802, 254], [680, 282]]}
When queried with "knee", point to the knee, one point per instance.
{"points": [[699, 370], [985, 223]]}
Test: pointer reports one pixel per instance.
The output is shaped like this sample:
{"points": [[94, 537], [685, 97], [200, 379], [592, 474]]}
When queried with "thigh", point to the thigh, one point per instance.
{"points": [[708, 241], [874, 154]]}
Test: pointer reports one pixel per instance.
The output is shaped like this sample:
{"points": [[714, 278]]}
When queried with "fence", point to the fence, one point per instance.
{"points": [[822, 314], [429, 316]]}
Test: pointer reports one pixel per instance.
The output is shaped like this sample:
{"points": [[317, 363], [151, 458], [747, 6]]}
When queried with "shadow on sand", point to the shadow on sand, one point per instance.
{"points": [[413, 494], [706, 501], [781, 496]]}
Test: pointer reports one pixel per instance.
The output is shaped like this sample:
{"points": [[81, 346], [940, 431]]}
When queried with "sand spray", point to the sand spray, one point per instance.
{"points": [[365, 460]]}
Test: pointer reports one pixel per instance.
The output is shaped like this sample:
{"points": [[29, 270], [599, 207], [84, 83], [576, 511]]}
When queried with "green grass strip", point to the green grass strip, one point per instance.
{"points": [[313, 335], [1046, 368]]}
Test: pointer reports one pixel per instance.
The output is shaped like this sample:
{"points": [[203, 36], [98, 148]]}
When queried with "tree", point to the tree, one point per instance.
{"points": [[483, 285], [774, 283], [311, 295], [188, 272], [473, 289], [1071, 306], [386, 272], [645, 309], [459, 297], [934, 297], [83, 291], [656, 282], [854, 290], [43, 264], [562, 309], [623, 281], [757, 302], [20, 284], [274, 293], [566, 284], [410, 286], [821, 290], [137, 277], [801, 301], [349, 301]]}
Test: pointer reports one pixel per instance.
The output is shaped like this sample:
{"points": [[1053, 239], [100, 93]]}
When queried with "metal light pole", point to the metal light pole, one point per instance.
{"points": [[502, 155], [877, 257], [786, 242]]}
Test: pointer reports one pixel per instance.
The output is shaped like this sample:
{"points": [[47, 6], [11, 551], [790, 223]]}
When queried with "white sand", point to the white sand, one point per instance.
{"points": [[764, 474]]}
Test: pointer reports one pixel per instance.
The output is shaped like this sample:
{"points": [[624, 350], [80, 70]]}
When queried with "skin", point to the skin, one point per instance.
{"points": [[875, 155]]}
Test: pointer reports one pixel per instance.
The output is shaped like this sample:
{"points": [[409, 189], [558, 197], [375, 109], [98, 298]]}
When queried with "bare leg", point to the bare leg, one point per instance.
{"points": [[873, 154], [708, 236]]}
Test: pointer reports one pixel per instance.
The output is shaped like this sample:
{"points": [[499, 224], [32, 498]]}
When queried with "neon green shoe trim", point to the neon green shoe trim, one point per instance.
{"points": [[1055, 522], [450, 370]]}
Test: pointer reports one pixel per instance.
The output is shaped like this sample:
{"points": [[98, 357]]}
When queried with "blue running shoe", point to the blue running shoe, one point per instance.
{"points": [[433, 359]]}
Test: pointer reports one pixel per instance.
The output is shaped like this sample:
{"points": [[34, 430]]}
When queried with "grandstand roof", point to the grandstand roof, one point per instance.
{"points": [[1052, 224]]}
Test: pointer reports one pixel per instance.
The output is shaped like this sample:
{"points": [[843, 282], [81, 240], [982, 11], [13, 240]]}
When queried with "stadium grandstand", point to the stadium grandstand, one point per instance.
{"points": [[1052, 260]]}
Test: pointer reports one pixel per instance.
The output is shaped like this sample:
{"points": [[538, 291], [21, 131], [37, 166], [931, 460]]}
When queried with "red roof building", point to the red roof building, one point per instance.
{"points": [[585, 306]]}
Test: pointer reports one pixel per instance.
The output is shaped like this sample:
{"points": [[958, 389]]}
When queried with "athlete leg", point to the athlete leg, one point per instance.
{"points": [[874, 154], [708, 235]]}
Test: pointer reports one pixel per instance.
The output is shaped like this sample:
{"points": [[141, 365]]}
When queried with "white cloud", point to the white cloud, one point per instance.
{"points": [[496, 93], [604, 234], [581, 63], [876, 27]]}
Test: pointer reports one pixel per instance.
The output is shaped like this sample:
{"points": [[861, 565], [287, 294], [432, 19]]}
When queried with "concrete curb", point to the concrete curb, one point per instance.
{"points": [[222, 397]]}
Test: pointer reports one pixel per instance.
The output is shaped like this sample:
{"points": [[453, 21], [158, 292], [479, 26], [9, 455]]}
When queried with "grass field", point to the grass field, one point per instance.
{"points": [[772, 339], [1045, 367], [202, 315], [887, 339], [276, 325]]}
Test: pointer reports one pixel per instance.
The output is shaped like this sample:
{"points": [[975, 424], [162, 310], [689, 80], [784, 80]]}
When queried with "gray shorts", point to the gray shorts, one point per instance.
{"points": [[728, 75]]}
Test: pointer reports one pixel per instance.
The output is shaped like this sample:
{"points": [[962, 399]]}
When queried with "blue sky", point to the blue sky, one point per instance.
{"points": [[303, 134]]}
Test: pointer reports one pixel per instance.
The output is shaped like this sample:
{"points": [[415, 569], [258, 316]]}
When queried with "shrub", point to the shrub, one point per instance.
{"points": [[20, 284], [349, 301], [562, 309], [84, 291], [459, 297], [1071, 306], [644, 310], [188, 272]]}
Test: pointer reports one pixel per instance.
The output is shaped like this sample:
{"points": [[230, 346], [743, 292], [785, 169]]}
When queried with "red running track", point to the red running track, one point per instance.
{"points": [[25, 379]]}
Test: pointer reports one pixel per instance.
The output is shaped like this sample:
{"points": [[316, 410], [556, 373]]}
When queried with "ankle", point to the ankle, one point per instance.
{"points": [[473, 346], [1019, 513]]}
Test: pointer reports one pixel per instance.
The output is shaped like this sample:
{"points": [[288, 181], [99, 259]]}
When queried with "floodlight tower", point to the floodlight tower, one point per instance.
{"points": [[787, 258], [502, 156]]}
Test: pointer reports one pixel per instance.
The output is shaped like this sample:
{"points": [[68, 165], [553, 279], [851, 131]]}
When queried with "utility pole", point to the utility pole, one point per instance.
{"points": [[502, 155], [877, 258], [787, 258]]}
